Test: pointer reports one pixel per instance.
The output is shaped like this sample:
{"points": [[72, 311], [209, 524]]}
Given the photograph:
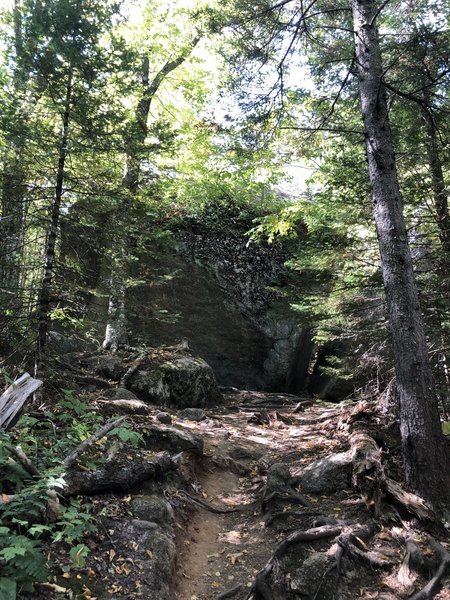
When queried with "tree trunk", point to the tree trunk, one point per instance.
{"points": [[426, 455], [440, 193], [52, 232]]}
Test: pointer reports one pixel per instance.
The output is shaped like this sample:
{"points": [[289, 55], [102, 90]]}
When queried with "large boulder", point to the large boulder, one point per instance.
{"points": [[327, 475], [180, 382]]}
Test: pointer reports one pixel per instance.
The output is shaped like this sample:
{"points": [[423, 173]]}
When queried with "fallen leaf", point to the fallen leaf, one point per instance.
{"points": [[112, 554]]}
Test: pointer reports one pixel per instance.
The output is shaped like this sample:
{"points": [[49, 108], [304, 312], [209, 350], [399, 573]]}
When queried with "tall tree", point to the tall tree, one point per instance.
{"points": [[425, 451], [136, 149], [282, 28]]}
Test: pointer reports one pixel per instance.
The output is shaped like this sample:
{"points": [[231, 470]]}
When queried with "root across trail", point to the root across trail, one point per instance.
{"points": [[264, 519]]}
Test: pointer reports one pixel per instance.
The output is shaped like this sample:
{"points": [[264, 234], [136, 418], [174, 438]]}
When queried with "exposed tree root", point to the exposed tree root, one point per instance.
{"points": [[348, 541], [413, 504], [433, 586], [284, 515], [279, 487], [302, 405], [368, 473], [371, 480], [284, 497], [271, 418], [261, 589]]}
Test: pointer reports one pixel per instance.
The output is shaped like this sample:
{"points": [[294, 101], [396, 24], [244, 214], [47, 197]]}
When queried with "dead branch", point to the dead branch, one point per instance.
{"points": [[23, 459], [97, 435]]}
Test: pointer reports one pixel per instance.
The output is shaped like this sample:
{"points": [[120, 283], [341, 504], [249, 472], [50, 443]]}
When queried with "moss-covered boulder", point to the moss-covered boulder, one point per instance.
{"points": [[176, 381]]}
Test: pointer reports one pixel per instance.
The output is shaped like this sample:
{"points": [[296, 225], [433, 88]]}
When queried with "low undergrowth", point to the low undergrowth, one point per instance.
{"points": [[34, 509]]}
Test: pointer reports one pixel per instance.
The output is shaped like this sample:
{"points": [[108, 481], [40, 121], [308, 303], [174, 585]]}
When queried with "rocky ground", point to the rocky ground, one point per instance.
{"points": [[260, 497]]}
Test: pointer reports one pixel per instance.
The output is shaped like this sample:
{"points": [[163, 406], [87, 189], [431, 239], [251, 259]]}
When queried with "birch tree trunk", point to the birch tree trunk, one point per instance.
{"points": [[426, 455]]}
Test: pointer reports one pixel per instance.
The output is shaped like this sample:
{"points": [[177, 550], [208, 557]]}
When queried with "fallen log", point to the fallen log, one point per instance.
{"points": [[14, 397], [117, 476]]}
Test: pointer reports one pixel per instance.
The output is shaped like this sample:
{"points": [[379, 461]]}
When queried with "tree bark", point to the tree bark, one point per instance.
{"points": [[426, 455]]}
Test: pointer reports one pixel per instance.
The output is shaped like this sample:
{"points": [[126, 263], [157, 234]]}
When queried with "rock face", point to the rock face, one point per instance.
{"points": [[244, 272], [182, 382]]}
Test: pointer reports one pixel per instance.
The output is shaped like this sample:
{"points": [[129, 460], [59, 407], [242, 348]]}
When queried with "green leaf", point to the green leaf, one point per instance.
{"points": [[11, 551], [446, 427]]}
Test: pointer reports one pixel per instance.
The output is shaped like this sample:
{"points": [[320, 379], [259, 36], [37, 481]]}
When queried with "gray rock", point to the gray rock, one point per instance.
{"points": [[242, 453], [168, 438], [64, 344], [182, 382], [152, 508], [327, 475], [106, 365], [191, 382], [154, 550], [192, 414], [119, 393], [310, 581], [148, 384], [141, 524], [165, 418]]}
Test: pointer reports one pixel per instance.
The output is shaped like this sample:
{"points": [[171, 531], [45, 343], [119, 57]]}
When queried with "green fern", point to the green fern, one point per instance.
{"points": [[21, 562]]}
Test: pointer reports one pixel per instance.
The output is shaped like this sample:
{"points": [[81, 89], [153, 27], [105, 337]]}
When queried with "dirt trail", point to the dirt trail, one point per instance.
{"points": [[219, 552], [220, 555]]}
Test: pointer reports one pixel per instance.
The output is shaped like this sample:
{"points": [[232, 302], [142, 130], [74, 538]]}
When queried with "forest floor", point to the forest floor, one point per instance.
{"points": [[237, 502]]}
